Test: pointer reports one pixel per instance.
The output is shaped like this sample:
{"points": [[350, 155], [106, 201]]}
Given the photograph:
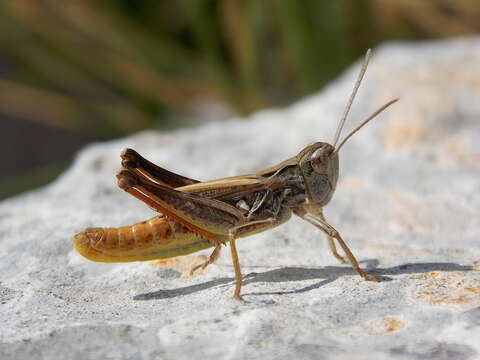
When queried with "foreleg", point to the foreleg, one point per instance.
{"points": [[320, 222]]}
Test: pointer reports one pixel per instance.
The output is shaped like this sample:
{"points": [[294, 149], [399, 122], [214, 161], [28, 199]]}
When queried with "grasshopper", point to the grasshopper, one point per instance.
{"points": [[197, 215]]}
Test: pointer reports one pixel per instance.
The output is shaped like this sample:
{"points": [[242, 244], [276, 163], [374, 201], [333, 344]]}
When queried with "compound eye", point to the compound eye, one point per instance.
{"points": [[319, 159]]}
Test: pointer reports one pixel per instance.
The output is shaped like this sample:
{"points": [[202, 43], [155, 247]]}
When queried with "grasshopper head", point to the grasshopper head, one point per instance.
{"points": [[319, 161], [319, 167]]}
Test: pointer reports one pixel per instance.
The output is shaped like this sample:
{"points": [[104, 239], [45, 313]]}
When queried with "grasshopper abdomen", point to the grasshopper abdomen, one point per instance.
{"points": [[156, 238]]}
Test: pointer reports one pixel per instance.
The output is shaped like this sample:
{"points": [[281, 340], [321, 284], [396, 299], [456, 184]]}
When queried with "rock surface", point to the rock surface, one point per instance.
{"points": [[407, 202]]}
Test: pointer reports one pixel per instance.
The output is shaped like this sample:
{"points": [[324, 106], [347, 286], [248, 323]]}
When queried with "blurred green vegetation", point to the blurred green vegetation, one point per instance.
{"points": [[113, 67], [37, 177], [109, 68]]}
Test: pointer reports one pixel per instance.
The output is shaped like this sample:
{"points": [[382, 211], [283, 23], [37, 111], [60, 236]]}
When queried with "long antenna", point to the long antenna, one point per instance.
{"points": [[364, 122], [350, 101]]}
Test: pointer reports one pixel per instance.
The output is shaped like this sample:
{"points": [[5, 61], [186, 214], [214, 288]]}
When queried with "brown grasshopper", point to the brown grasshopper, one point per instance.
{"points": [[198, 215]]}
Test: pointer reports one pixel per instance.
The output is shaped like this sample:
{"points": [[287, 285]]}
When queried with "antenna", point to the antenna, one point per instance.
{"points": [[352, 96], [371, 117]]}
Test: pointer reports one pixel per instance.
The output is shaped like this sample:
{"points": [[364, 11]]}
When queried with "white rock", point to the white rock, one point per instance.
{"points": [[407, 203]]}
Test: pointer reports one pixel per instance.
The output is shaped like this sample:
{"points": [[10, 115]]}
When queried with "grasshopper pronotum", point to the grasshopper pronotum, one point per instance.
{"points": [[198, 215]]}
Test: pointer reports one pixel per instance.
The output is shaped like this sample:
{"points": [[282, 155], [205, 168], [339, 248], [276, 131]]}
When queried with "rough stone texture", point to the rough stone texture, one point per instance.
{"points": [[407, 203]]}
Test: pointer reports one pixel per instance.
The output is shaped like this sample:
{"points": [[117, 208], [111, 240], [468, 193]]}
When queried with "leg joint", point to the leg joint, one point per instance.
{"points": [[333, 233]]}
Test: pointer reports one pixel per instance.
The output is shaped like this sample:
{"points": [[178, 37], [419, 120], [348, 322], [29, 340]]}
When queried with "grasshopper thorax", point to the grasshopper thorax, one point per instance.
{"points": [[318, 164]]}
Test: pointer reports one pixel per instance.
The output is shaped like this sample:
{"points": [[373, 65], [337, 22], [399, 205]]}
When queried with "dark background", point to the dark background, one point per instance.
{"points": [[73, 72]]}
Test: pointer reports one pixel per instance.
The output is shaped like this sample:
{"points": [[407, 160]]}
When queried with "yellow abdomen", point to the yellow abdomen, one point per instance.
{"points": [[157, 238]]}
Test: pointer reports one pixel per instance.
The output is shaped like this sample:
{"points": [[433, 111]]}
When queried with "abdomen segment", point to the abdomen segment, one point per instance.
{"points": [[157, 238]]}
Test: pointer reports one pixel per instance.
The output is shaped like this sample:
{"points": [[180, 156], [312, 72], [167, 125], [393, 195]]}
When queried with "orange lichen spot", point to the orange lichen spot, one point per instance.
{"points": [[455, 148], [182, 264], [400, 135], [475, 290], [459, 151], [353, 183], [386, 325], [416, 276], [410, 224], [161, 262], [452, 288]]}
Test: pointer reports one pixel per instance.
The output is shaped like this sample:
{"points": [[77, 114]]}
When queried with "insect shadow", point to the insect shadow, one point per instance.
{"points": [[326, 274]]}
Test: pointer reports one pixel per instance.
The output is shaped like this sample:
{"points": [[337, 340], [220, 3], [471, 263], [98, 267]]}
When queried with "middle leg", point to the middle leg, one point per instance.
{"points": [[250, 229], [211, 259]]}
